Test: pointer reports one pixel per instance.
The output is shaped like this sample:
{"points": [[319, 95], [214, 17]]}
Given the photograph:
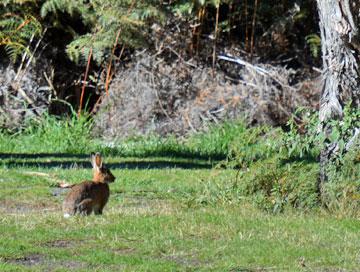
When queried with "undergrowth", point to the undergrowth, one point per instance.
{"points": [[266, 166], [277, 169]]}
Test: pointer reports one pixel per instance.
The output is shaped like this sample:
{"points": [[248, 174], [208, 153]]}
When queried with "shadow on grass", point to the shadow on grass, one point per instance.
{"points": [[304, 159], [172, 153], [121, 165], [51, 160], [166, 153], [41, 155]]}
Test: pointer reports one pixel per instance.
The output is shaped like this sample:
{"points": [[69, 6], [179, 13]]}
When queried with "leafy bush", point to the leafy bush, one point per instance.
{"points": [[342, 192], [272, 184], [304, 140], [308, 139], [280, 169], [276, 184], [253, 144]]}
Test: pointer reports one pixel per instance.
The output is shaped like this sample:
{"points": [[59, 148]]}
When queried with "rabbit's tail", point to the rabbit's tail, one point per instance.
{"points": [[66, 215], [68, 209]]}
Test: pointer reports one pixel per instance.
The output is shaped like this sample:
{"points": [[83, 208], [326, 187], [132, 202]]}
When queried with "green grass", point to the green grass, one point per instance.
{"points": [[52, 135], [226, 200], [148, 225]]}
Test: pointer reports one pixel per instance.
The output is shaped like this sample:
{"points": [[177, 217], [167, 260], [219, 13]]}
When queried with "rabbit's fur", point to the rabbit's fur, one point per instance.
{"points": [[92, 195]]}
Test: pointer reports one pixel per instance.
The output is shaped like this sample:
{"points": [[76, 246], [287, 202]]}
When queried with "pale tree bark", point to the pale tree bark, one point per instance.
{"points": [[339, 22]]}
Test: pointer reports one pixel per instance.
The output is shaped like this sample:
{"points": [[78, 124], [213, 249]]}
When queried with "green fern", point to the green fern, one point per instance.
{"points": [[19, 2], [314, 42], [14, 50], [72, 7], [18, 26], [105, 18]]}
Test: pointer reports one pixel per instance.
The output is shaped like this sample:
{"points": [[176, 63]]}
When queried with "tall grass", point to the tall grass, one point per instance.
{"points": [[73, 134], [260, 167], [51, 134]]}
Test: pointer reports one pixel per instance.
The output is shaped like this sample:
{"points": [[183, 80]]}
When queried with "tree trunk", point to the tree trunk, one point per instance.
{"points": [[339, 20]]}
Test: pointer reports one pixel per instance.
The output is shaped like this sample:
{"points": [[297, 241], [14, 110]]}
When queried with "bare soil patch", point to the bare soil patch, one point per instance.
{"points": [[61, 243], [334, 269], [71, 265], [10, 206], [184, 260], [142, 205], [47, 264], [30, 260], [257, 269], [125, 251]]}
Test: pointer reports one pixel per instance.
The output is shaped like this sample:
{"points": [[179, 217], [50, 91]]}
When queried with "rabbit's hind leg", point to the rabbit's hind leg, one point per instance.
{"points": [[85, 207]]}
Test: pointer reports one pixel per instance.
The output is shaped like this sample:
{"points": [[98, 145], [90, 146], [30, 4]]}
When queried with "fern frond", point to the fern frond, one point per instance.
{"points": [[19, 23], [17, 29], [14, 50], [71, 7], [19, 2], [105, 18], [314, 42]]}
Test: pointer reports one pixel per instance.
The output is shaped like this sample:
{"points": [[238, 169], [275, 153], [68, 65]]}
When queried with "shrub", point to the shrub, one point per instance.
{"points": [[278, 169]]}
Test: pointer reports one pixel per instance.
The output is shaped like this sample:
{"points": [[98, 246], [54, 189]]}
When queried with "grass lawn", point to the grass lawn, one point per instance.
{"points": [[154, 221]]}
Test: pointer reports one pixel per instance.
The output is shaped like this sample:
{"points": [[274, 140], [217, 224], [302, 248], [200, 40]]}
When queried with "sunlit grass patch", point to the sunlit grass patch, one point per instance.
{"points": [[226, 200], [148, 224]]}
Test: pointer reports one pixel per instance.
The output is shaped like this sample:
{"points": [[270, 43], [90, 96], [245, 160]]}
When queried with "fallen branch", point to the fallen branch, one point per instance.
{"points": [[17, 88], [59, 183], [257, 69]]}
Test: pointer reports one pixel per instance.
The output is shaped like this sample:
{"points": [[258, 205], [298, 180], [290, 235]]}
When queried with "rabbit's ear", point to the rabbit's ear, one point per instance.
{"points": [[92, 159], [98, 160]]}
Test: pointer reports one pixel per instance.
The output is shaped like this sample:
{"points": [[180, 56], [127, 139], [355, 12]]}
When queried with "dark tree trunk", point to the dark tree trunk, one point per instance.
{"points": [[339, 21]]}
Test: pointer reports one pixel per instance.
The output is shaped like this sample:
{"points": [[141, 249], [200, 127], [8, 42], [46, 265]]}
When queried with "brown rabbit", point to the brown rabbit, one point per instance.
{"points": [[92, 195]]}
